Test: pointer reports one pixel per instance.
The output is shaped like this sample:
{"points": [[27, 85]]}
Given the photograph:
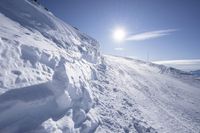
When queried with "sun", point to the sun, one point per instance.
{"points": [[119, 34]]}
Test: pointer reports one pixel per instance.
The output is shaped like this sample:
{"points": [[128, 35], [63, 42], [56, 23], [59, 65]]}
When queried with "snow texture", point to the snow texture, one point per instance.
{"points": [[185, 65], [53, 79]]}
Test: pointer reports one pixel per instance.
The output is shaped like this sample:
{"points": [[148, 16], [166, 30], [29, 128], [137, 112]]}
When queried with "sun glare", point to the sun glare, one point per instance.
{"points": [[119, 34]]}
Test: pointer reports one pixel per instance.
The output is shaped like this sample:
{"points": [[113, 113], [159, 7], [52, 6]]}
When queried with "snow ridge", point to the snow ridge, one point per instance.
{"points": [[46, 65]]}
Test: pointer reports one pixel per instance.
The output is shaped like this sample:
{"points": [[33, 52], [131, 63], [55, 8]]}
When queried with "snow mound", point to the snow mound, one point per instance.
{"points": [[45, 68]]}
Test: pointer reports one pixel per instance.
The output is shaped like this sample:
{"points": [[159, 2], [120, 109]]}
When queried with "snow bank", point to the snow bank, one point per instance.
{"points": [[45, 68]]}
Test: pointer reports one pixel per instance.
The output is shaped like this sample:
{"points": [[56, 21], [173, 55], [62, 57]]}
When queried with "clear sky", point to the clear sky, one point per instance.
{"points": [[174, 25]]}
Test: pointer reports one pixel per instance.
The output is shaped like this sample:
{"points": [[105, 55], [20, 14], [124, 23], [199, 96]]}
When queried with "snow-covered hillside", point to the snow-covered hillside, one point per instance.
{"points": [[185, 65], [135, 96], [54, 80], [45, 68]]}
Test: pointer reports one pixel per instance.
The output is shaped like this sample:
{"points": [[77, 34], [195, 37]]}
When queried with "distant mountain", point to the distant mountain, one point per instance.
{"points": [[185, 65], [196, 73], [53, 79]]}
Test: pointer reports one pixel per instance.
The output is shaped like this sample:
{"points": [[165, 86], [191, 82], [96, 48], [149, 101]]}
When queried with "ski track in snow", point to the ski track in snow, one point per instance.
{"points": [[54, 80]]}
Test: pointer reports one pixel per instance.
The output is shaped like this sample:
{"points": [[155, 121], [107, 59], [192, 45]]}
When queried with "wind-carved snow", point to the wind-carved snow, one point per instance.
{"points": [[134, 96], [53, 79], [45, 69]]}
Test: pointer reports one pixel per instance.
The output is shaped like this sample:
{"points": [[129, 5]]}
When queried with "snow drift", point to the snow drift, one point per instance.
{"points": [[45, 68], [53, 79]]}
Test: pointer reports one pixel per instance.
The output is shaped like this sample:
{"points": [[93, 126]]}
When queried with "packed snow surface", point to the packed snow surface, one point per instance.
{"points": [[54, 80]]}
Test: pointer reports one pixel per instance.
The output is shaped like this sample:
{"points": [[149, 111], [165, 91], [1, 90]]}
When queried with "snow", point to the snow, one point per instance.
{"points": [[192, 66], [135, 96], [44, 73], [185, 65], [54, 79]]}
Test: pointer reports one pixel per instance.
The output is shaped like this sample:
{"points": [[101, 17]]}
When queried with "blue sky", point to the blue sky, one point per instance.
{"points": [[178, 19]]}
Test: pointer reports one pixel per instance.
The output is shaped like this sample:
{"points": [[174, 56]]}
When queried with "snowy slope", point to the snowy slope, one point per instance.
{"points": [[134, 96], [185, 65], [45, 67], [54, 80]]}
